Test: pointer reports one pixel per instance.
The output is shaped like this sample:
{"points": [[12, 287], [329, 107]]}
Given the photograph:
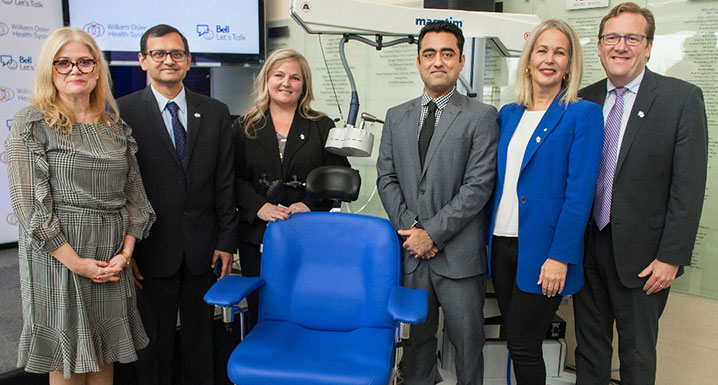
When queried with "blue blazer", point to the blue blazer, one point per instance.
{"points": [[555, 188]]}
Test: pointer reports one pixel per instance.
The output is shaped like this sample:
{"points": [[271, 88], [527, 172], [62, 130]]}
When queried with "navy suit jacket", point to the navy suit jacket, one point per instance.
{"points": [[195, 205], [555, 188]]}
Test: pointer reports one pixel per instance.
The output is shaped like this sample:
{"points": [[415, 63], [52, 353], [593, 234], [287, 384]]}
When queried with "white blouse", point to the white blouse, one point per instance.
{"points": [[507, 215]]}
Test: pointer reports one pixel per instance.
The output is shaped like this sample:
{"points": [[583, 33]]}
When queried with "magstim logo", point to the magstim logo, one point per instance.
{"points": [[422, 21], [6, 94], [94, 29]]}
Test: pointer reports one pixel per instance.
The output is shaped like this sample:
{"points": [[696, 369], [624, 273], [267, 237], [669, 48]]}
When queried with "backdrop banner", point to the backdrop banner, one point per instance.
{"points": [[24, 25]]}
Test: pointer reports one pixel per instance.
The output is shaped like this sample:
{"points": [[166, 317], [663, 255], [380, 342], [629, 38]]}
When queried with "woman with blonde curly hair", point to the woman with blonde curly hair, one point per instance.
{"points": [[77, 192], [280, 138]]}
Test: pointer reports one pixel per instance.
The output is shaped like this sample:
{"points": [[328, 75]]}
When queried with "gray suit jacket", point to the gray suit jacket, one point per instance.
{"points": [[660, 175], [448, 196]]}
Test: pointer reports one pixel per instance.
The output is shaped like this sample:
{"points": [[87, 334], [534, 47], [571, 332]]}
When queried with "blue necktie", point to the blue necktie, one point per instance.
{"points": [[179, 132]]}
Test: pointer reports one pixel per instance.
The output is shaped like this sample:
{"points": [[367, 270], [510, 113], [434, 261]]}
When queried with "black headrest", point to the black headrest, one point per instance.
{"points": [[333, 182]]}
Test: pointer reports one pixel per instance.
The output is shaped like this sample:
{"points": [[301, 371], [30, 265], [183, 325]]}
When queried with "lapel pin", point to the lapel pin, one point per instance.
{"points": [[197, 115], [301, 136], [641, 114], [538, 139]]}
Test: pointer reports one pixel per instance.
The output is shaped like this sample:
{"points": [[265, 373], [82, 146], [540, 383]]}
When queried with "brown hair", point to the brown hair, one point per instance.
{"points": [[631, 8]]}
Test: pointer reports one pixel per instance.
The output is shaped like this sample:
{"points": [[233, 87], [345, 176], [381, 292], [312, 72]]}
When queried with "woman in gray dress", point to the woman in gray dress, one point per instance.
{"points": [[76, 189]]}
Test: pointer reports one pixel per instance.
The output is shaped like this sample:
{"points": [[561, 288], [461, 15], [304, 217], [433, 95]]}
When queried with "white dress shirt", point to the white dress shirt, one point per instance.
{"points": [[181, 101], [629, 98]]}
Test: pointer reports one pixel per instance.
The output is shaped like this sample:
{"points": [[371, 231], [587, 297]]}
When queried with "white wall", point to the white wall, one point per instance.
{"points": [[688, 341]]}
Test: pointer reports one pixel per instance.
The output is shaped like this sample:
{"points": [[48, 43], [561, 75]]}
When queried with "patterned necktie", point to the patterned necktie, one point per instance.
{"points": [[427, 130], [179, 132], [604, 187]]}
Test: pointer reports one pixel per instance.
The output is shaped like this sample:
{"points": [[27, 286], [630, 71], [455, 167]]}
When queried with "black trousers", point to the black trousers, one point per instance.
{"points": [[158, 302], [250, 260], [526, 316], [603, 300]]}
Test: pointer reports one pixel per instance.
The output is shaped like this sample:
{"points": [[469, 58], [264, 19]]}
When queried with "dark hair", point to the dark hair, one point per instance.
{"points": [[160, 30], [442, 26], [631, 8]]}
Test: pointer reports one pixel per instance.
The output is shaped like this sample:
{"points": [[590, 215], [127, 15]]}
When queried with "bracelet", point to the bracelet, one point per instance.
{"points": [[128, 259]]}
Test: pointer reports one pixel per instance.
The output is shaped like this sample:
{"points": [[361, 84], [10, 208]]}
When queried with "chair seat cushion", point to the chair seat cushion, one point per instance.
{"points": [[277, 352]]}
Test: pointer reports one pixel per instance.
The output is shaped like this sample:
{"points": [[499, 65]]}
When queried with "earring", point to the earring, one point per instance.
{"points": [[566, 77], [527, 72]]}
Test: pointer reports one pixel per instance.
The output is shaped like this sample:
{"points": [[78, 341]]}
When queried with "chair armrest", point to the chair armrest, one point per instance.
{"points": [[408, 305], [230, 290]]}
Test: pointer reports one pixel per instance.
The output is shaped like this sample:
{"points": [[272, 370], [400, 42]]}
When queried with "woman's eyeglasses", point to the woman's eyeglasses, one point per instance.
{"points": [[64, 66]]}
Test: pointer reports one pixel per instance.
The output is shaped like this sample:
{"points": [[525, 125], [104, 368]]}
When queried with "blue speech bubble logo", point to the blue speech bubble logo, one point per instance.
{"points": [[8, 62], [204, 31]]}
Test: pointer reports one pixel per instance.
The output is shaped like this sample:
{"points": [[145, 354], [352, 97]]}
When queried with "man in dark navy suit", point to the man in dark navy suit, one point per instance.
{"points": [[187, 162]]}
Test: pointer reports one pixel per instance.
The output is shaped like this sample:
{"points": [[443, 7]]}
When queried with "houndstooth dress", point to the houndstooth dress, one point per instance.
{"points": [[84, 189]]}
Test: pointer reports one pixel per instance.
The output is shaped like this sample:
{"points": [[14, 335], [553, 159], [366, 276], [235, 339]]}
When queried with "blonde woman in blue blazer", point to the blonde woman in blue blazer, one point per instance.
{"points": [[548, 158]]}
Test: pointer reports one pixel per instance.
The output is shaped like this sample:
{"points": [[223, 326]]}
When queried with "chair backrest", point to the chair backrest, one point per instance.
{"points": [[329, 271]]}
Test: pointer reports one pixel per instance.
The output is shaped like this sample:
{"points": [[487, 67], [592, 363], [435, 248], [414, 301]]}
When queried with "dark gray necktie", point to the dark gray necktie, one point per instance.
{"points": [[427, 130]]}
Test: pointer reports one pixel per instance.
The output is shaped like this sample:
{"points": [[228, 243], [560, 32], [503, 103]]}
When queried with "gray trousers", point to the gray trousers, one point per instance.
{"points": [[462, 301]]}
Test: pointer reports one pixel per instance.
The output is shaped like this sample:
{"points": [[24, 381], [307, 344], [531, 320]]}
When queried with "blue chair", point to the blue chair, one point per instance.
{"points": [[330, 303]]}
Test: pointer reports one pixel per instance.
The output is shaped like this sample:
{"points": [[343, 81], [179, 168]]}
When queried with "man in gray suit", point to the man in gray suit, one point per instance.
{"points": [[436, 171], [648, 201]]}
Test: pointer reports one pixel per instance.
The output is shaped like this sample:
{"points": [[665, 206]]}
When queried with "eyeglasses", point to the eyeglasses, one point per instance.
{"points": [[160, 56], [64, 66], [632, 39]]}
